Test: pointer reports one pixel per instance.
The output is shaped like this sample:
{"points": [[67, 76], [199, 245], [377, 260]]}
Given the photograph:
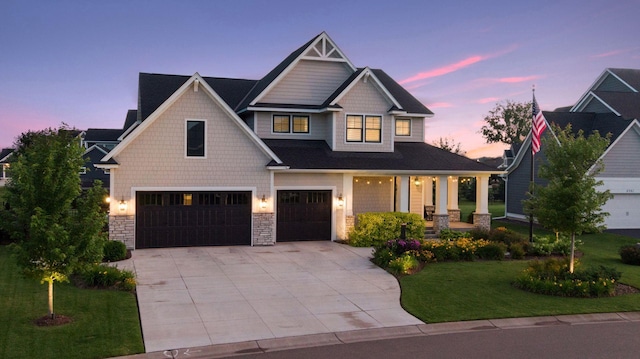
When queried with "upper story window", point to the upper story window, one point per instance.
{"points": [[290, 124], [364, 128], [195, 135], [403, 127]]}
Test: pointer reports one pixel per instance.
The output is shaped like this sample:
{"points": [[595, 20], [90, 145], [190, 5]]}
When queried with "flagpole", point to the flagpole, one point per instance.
{"points": [[532, 180]]}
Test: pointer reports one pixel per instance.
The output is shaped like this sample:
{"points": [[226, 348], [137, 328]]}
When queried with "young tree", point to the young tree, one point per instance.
{"points": [[570, 202], [508, 123], [449, 144], [56, 229]]}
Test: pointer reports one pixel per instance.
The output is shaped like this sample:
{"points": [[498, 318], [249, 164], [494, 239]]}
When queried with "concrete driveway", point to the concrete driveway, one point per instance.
{"points": [[198, 296]]}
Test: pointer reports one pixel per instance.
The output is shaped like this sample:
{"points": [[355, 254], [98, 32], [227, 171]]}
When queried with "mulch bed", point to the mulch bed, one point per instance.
{"points": [[57, 319]]}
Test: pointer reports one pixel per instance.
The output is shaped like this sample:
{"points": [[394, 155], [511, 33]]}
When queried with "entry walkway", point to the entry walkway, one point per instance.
{"points": [[200, 296]]}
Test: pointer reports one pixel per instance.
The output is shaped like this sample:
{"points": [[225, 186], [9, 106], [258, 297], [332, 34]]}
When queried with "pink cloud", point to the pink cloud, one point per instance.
{"points": [[440, 105], [517, 79], [455, 66], [488, 99], [610, 53]]}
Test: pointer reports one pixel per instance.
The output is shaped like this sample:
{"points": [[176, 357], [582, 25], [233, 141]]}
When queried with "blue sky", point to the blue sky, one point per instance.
{"points": [[78, 61]]}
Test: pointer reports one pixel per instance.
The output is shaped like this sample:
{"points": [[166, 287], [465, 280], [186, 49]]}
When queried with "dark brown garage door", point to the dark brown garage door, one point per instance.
{"points": [[182, 219], [304, 216]]}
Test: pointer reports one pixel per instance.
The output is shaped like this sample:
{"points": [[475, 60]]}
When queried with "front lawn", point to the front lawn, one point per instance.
{"points": [[456, 291], [496, 209], [105, 322]]}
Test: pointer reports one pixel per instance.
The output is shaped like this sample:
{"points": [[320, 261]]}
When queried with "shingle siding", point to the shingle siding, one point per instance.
{"points": [[364, 99], [309, 83], [596, 106], [622, 160], [374, 196], [611, 83]]}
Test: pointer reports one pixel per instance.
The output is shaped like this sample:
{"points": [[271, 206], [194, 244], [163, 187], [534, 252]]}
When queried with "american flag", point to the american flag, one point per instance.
{"points": [[538, 127]]}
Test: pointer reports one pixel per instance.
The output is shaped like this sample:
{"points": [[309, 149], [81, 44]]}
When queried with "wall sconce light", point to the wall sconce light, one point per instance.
{"points": [[263, 202], [107, 199], [417, 181], [340, 200], [122, 206]]}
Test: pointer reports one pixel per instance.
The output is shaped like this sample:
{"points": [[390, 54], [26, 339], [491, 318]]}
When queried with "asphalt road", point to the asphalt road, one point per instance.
{"points": [[594, 340]]}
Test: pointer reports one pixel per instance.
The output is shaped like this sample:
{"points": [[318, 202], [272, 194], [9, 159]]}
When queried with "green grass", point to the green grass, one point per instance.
{"points": [[466, 207], [444, 292], [105, 323]]}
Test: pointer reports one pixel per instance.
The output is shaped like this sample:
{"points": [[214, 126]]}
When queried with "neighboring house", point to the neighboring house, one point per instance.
{"points": [[5, 154], [610, 105], [293, 156]]}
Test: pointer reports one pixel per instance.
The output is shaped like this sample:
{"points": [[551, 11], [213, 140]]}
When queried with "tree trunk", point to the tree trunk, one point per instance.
{"points": [[51, 314], [573, 251]]}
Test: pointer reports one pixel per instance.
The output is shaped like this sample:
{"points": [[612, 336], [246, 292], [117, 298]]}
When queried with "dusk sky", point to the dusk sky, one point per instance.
{"points": [[78, 61]]}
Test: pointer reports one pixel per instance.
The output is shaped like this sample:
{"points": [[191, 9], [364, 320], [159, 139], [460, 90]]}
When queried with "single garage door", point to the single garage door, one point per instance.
{"points": [[304, 216], [624, 211], [182, 219]]}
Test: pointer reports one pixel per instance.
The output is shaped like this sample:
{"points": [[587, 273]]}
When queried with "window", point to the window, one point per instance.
{"points": [[290, 124], [403, 127], [195, 138], [354, 128], [372, 130], [300, 124], [280, 124]]}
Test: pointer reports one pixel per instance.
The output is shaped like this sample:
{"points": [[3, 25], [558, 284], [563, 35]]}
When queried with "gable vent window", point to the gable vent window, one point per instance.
{"points": [[403, 127], [364, 128], [195, 135], [290, 124]]}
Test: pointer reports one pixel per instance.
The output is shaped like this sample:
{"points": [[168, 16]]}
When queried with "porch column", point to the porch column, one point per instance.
{"points": [[452, 199], [441, 216], [416, 198], [403, 193], [482, 217], [427, 194], [347, 218]]}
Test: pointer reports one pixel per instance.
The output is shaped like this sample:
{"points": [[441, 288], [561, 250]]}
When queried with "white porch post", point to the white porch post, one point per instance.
{"points": [[452, 199], [403, 191], [482, 217], [441, 216], [428, 190], [347, 218]]}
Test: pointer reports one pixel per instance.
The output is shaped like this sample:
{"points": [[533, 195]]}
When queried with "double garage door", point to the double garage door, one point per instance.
{"points": [[183, 219]]}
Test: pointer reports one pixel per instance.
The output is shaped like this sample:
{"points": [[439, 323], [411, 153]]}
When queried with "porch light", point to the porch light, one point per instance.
{"points": [[263, 202], [122, 206], [417, 181], [340, 200], [107, 199]]}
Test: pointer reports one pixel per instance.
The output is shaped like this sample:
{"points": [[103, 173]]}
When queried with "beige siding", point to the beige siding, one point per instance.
{"points": [[416, 199], [364, 99], [417, 131], [156, 158], [372, 194], [308, 179], [622, 160], [309, 83], [318, 124]]}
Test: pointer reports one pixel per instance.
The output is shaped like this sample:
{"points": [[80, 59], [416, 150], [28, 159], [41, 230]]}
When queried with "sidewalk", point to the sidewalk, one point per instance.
{"points": [[337, 338]]}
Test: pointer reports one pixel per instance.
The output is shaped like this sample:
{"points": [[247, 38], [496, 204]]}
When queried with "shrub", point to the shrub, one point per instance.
{"points": [[399, 246], [374, 229], [459, 249], [504, 235], [492, 251], [114, 251], [104, 276], [547, 245], [382, 256], [517, 250], [630, 254], [478, 233], [552, 277], [450, 234], [404, 264]]}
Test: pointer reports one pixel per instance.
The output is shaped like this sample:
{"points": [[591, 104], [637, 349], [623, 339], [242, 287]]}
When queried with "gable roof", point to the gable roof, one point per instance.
{"points": [[5, 153], [625, 82], [102, 134], [132, 117], [195, 80], [411, 157], [630, 77], [627, 104]]}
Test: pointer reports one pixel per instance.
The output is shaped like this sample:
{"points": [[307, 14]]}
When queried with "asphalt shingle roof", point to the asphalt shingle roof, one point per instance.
{"points": [[625, 103], [412, 156], [630, 76], [102, 134], [604, 123]]}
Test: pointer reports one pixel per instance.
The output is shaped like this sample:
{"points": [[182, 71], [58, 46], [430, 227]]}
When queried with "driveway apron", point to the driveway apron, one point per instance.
{"points": [[198, 296]]}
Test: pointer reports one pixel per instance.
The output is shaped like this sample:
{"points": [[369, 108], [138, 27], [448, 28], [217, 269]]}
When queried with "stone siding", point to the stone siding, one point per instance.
{"points": [[122, 228], [482, 221], [440, 222], [263, 224]]}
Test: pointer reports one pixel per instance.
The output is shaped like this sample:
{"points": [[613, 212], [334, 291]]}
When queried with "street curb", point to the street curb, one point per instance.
{"points": [[364, 335]]}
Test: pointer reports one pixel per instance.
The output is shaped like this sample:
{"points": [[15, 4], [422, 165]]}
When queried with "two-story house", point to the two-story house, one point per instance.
{"points": [[611, 106], [295, 155]]}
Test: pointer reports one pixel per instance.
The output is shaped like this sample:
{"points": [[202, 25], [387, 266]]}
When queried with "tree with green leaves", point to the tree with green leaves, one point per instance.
{"points": [[570, 202], [57, 228], [449, 144], [507, 123]]}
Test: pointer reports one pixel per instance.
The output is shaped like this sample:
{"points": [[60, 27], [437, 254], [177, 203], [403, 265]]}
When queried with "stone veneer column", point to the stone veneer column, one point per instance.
{"points": [[122, 228], [350, 222], [440, 222], [482, 221], [263, 229], [454, 215]]}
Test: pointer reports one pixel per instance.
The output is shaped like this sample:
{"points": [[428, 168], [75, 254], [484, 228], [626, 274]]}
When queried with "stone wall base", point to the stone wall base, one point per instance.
{"points": [[454, 215], [349, 224], [440, 222], [482, 221], [263, 229], [122, 228]]}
